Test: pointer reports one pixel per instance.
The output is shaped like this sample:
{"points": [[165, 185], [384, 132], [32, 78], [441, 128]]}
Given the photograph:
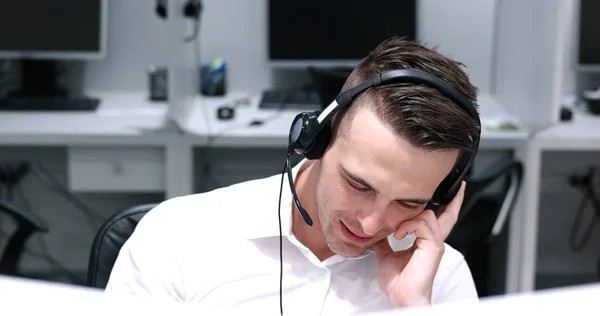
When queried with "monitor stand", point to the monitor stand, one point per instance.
{"points": [[40, 91]]}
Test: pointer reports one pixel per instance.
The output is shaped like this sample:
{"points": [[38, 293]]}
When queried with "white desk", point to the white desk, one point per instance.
{"points": [[203, 123], [33, 297], [582, 133], [555, 301], [120, 118], [127, 132]]}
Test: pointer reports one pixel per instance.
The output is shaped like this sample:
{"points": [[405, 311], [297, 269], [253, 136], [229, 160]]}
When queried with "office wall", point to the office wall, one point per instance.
{"points": [[527, 68], [136, 40], [236, 29], [463, 30]]}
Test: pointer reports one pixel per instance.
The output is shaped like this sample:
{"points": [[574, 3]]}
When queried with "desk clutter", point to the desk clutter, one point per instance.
{"points": [[213, 77], [157, 83], [225, 112]]}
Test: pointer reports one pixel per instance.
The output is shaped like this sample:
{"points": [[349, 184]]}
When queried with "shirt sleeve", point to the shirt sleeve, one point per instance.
{"points": [[147, 264], [458, 284]]}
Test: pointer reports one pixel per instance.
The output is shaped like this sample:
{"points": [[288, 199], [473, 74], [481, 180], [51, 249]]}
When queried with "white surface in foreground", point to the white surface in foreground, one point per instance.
{"points": [[28, 297]]}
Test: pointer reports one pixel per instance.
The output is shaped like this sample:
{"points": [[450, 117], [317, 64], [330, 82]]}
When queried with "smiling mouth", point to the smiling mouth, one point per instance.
{"points": [[354, 238]]}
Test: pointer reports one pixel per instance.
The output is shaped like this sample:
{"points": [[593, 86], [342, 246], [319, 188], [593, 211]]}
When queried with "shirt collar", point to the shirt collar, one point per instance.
{"points": [[264, 220], [267, 224]]}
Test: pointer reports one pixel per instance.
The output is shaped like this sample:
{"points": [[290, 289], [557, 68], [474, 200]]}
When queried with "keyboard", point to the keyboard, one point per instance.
{"points": [[290, 100], [48, 104]]}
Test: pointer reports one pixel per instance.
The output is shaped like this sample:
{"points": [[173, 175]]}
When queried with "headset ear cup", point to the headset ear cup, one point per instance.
{"points": [[451, 193], [446, 191], [320, 144], [450, 186]]}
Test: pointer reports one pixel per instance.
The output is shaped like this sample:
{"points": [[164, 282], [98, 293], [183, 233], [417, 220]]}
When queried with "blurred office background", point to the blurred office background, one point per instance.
{"points": [[128, 135]]}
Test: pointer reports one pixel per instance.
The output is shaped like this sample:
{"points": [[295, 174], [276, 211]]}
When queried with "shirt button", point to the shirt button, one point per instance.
{"points": [[321, 271]]}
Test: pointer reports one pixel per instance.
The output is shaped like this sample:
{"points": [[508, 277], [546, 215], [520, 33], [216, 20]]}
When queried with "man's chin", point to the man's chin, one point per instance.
{"points": [[349, 250]]}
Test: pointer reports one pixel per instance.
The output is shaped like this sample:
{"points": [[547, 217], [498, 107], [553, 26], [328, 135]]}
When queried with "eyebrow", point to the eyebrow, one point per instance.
{"points": [[364, 183]]}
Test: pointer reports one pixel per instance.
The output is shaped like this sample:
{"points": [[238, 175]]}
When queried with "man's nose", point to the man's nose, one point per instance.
{"points": [[372, 219]]}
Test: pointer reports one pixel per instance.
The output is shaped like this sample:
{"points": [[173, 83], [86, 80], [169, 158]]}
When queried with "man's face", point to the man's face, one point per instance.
{"points": [[370, 181]]}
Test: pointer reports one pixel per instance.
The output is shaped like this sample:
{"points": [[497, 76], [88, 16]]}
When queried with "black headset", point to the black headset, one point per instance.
{"points": [[191, 9], [310, 132]]}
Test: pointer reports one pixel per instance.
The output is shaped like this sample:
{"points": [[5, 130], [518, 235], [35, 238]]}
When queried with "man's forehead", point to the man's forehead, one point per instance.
{"points": [[363, 124], [367, 137]]}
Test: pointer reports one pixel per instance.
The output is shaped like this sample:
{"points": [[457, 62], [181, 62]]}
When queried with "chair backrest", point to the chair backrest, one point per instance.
{"points": [[328, 82], [483, 217], [27, 224], [108, 242]]}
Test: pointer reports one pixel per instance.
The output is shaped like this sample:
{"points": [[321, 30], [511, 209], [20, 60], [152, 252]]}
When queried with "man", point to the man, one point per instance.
{"points": [[373, 244]]}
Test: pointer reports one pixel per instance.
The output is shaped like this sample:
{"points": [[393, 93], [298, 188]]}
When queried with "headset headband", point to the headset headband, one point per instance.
{"points": [[310, 131], [399, 76]]}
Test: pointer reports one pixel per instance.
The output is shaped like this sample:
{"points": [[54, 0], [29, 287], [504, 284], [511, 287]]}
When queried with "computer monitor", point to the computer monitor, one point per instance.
{"points": [[334, 33], [60, 29], [38, 33], [587, 35]]}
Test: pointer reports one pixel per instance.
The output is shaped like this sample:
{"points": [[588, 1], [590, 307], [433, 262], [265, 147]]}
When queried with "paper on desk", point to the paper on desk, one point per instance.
{"points": [[500, 124], [495, 117]]}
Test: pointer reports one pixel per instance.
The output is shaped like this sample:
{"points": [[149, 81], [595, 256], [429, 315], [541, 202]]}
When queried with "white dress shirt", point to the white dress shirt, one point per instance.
{"points": [[220, 249]]}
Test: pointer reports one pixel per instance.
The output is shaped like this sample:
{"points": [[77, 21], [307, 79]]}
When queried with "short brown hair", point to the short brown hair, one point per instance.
{"points": [[419, 113]]}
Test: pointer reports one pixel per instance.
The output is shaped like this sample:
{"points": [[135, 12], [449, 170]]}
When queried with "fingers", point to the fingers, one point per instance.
{"points": [[428, 217], [428, 228], [449, 213], [432, 222], [424, 227]]}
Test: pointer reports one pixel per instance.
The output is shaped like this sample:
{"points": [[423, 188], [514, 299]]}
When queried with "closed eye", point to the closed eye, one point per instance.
{"points": [[357, 187], [408, 206]]}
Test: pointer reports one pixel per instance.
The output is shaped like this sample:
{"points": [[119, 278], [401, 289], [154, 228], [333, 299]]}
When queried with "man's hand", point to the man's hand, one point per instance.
{"points": [[406, 277]]}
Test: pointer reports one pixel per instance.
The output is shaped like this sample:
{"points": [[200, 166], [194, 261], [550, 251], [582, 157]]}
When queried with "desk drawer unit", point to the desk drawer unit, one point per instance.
{"points": [[116, 169]]}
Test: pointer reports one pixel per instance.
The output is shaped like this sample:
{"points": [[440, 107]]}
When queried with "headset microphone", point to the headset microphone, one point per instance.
{"points": [[305, 128], [301, 210]]}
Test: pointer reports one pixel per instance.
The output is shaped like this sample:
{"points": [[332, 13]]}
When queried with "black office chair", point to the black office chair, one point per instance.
{"points": [[109, 240], [483, 220], [328, 82], [27, 225]]}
